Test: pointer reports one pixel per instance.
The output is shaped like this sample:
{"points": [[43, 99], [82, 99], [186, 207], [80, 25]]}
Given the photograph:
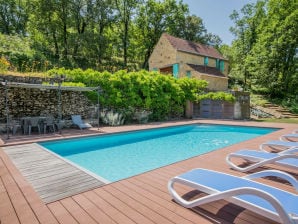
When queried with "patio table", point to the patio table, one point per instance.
{"points": [[26, 121]]}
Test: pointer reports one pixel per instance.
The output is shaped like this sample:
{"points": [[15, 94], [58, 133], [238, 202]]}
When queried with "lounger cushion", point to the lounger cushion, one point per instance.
{"points": [[211, 182], [255, 155], [281, 143]]}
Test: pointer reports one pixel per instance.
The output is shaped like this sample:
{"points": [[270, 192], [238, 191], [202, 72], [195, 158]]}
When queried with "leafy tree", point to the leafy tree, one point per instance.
{"points": [[100, 34], [13, 17], [245, 31], [273, 58], [125, 11], [264, 54]]}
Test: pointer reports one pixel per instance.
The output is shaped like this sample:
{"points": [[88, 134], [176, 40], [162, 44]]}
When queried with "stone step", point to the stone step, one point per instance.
{"points": [[283, 110], [278, 111]]}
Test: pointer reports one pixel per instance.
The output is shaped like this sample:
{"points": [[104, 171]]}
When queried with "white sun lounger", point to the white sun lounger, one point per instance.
{"points": [[77, 120], [268, 201], [278, 145], [289, 137], [260, 158]]}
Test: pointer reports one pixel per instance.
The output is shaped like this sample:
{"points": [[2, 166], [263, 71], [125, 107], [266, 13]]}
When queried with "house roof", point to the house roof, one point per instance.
{"points": [[206, 70], [192, 47]]}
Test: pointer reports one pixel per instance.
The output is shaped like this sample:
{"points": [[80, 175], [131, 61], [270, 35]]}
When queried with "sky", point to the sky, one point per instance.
{"points": [[215, 15]]}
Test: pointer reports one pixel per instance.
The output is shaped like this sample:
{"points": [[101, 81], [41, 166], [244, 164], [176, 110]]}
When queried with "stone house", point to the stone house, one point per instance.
{"points": [[180, 58]]}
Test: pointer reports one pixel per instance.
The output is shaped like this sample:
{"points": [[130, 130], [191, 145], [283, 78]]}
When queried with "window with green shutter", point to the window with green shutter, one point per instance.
{"points": [[217, 63], [188, 74], [176, 70], [206, 60], [221, 65], [155, 69]]}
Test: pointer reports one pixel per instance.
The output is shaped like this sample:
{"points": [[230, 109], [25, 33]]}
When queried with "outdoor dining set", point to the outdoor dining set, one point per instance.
{"points": [[42, 124]]}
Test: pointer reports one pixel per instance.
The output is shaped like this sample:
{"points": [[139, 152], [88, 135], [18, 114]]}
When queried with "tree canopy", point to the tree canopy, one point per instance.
{"points": [[264, 56], [99, 34]]}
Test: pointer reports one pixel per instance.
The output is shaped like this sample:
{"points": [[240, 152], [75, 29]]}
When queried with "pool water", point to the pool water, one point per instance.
{"points": [[118, 156]]}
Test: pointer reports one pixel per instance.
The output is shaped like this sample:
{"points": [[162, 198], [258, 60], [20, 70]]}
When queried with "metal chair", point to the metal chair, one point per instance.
{"points": [[49, 123], [34, 122], [14, 126]]}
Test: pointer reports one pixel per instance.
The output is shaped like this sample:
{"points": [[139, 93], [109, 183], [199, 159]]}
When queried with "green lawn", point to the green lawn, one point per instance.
{"points": [[283, 120]]}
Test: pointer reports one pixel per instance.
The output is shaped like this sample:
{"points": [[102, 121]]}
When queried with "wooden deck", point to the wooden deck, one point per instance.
{"points": [[51, 177], [140, 199]]}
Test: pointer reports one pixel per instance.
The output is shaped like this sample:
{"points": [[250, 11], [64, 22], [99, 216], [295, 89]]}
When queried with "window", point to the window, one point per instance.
{"points": [[188, 74], [221, 65], [155, 69], [206, 59], [175, 70], [217, 63]]}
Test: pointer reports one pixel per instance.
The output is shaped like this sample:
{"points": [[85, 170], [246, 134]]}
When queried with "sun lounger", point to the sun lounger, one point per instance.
{"points": [[289, 137], [277, 145], [77, 120], [260, 158], [270, 202]]}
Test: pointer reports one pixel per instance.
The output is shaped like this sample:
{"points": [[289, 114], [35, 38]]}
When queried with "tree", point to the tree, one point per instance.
{"points": [[150, 24], [273, 58], [13, 17], [245, 31], [125, 10]]}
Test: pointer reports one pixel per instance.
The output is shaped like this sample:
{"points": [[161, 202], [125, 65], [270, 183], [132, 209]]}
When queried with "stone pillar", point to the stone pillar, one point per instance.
{"points": [[189, 109]]}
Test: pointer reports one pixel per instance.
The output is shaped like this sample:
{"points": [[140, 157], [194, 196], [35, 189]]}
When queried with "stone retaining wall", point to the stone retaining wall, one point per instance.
{"points": [[36, 102]]}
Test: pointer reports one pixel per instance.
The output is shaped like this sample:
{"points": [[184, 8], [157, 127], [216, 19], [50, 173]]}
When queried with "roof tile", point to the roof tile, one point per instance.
{"points": [[192, 47], [207, 70]]}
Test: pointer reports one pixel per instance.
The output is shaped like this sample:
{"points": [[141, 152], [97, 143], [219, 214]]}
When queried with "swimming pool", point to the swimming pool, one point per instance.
{"points": [[118, 156]]}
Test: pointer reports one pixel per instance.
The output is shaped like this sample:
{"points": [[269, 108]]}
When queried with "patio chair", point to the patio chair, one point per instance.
{"points": [[289, 137], [268, 201], [278, 145], [14, 126], [260, 158], [49, 122], [77, 120], [34, 122]]}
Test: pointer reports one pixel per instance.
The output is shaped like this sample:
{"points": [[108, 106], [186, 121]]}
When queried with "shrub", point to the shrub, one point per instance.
{"points": [[4, 64], [163, 96]]}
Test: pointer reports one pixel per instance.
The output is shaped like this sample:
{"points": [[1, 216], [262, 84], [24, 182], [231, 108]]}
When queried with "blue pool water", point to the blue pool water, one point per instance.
{"points": [[118, 156]]}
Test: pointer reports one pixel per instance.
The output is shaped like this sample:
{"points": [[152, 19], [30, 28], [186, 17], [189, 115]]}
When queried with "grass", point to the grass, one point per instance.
{"points": [[282, 120], [258, 100], [26, 74]]}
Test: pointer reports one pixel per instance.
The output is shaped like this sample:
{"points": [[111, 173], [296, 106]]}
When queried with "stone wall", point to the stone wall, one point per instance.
{"points": [[216, 109], [214, 83], [36, 102], [163, 54]]}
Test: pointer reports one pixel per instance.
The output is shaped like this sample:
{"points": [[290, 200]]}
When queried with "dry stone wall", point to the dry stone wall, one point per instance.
{"points": [[35, 102]]}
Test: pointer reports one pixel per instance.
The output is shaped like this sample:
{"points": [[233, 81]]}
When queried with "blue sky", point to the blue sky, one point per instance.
{"points": [[215, 15]]}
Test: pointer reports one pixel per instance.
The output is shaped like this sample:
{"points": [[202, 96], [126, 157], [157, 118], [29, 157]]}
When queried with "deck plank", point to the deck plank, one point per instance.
{"points": [[62, 215], [21, 206], [39, 167], [96, 213], [107, 208], [78, 213], [124, 207], [7, 212]]}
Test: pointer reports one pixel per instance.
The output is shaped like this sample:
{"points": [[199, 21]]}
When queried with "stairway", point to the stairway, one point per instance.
{"points": [[278, 111]]}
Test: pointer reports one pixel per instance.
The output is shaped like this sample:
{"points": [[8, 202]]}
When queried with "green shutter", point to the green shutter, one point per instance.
{"points": [[176, 70], [222, 66], [188, 74], [155, 69], [217, 63], [206, 61]]}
